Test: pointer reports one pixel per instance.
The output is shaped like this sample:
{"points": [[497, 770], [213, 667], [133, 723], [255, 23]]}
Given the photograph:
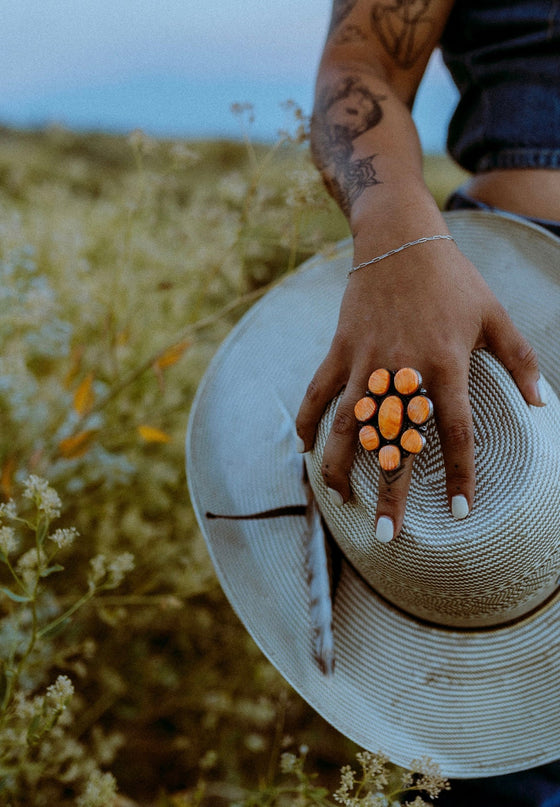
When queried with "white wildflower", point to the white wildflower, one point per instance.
{"points": [[374, 767], [430, 778], [100, 791], [60, 692], [304, 189], [117, 569], [98, 568], [288, 763], [347, 780], [8, 540], [44, 497], [255, 742], [23, 708], [8, 510], [64, 537], [181, 153], [28, 564]]}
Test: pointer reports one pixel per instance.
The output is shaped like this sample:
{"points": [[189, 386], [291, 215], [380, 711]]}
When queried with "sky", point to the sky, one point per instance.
{"points": [[172, 67]]}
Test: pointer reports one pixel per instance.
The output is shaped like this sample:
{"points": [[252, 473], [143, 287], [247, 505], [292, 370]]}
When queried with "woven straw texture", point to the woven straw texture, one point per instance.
{"points": [[490, 569], [478, 701]]}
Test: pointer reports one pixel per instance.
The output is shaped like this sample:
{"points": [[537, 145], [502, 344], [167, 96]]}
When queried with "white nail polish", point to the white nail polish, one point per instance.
{"points": [[540, 393], [459, 507], [384, 530], [300, 445], [335, 497]]}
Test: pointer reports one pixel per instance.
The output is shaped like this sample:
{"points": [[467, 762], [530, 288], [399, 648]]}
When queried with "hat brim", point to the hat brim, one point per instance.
{"points": [[478, 702]]}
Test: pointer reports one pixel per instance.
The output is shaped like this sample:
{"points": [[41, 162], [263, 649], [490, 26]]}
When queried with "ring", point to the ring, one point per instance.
{"points": [[394, 413]]}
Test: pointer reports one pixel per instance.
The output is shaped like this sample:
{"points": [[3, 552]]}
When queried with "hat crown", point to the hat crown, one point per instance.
{"points": [[504, 559]]}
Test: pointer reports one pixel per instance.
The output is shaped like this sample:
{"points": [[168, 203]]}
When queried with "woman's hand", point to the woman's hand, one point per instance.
{"points": [[429, 308]]}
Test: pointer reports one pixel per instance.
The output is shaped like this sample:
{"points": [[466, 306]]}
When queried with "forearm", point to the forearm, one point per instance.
{"points": [[364, 141], [366, 147]]}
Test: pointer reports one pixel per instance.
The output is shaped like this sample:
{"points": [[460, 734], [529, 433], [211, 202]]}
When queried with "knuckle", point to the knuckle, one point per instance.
{"points": [[458, 435], [344, 422], [526, 357], [314, 391], [390, 498]]}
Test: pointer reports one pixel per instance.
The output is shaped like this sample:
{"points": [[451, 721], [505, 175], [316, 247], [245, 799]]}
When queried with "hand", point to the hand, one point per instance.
{"points": [[428, 308]]}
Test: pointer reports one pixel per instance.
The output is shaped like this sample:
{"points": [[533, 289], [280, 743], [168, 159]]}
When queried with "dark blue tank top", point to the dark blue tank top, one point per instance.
{"points": [[504, 56]]}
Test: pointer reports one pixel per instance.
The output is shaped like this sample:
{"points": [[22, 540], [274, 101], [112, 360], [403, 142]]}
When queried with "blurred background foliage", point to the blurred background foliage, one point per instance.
{"points": [[125, 262]]}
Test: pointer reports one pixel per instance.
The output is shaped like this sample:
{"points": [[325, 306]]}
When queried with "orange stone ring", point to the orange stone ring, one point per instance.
{"points": [[394, 413]]}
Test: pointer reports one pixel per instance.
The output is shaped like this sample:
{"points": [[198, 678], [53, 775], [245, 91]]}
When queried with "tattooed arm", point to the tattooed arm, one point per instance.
{"points": [[374, 59], [426, 307]]}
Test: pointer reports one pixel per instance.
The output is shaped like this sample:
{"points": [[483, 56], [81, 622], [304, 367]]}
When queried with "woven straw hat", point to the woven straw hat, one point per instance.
{"points": [[447, 639]]}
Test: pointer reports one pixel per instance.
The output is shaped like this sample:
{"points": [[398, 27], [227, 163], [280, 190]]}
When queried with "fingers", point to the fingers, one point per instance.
{"points": [[324, 386], [340, 447], [513, 350], [391, 502], [454, 421]]}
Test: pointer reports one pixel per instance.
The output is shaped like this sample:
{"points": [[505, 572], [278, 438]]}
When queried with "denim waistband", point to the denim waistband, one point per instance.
{"points": [[504, 57], [459, 200]]}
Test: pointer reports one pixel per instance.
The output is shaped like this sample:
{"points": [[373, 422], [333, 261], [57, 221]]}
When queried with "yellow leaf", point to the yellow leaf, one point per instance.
{"points": [[77, 444], [84, 396], [75, 363], [152, 435], [171, 355], [7, 476]]}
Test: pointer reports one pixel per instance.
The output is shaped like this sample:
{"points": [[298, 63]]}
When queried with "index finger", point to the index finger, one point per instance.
{"points": [[323, 387]]}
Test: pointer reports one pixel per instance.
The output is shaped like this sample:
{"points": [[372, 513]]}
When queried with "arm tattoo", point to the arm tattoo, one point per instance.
{"points": [[343, 113], [340, 10], [349, 33], [403, 28]]}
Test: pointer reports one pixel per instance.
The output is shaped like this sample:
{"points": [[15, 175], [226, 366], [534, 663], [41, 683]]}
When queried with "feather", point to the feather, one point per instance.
{"points": [[318, 579]]}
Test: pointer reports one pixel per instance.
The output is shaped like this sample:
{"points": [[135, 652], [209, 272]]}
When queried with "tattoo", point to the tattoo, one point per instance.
{"points": [[340, 10], [343, 113], [350, 33], [403, 28], [391, 476]]}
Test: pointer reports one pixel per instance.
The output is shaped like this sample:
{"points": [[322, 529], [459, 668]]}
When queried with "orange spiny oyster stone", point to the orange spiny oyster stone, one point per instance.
{"points": [[389, 457], [419, 409], [369, 438], [379, 382], [407, 381], [365, 409], [390, 417], [412, 441]]}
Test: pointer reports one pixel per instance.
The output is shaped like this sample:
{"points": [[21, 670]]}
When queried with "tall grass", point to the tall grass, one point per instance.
{"points": [[124, 263]]}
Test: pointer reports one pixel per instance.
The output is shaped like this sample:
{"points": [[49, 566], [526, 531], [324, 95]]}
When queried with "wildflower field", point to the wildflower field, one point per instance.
{"points": [[125, 677]]}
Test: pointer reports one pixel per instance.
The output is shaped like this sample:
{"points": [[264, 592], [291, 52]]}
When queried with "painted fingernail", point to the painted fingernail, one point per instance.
{"points": [[300, 445], [335, 497], [539, 391], [384, 530], [459, 507]]}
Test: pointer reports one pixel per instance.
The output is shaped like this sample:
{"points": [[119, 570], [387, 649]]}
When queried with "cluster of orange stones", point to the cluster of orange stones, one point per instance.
{"points": [[394, 412]]}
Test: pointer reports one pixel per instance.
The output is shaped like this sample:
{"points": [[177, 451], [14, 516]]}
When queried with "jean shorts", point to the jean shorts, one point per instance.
{"points": [[504, 57]]}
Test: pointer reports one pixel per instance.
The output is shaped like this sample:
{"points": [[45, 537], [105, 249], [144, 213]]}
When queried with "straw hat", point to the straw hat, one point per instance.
{"points": [[447, 639]]}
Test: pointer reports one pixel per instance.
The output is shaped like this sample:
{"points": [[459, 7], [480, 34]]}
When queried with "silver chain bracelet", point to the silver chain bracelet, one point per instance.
{"points": [[400, 249]]}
